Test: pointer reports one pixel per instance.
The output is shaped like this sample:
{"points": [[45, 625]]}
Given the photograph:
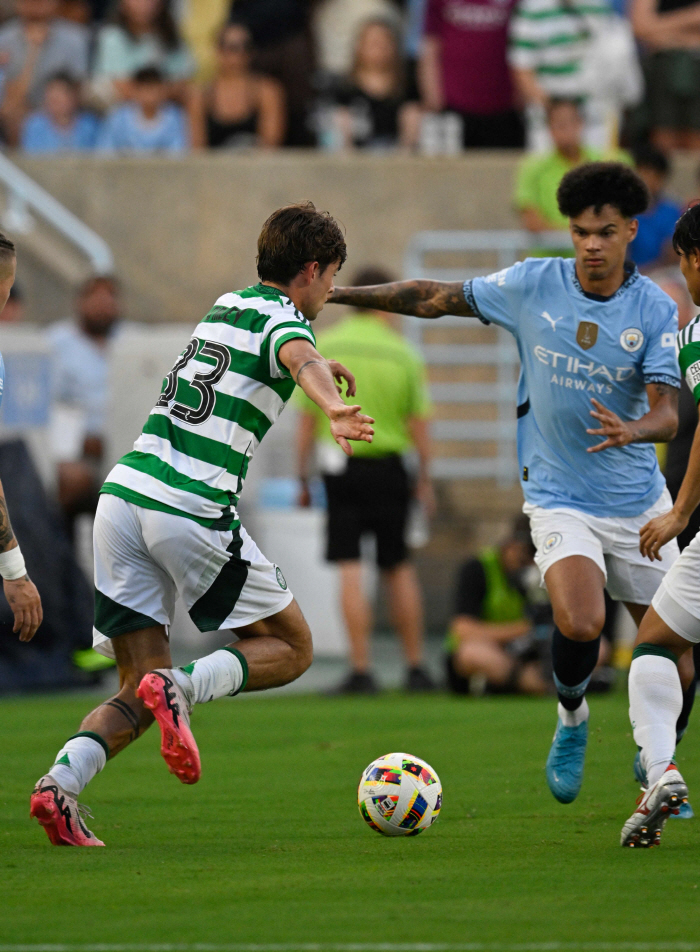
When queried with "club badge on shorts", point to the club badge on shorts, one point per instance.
{"points": [[586, 334], [281, 580], [551, 542], [631, 339]]}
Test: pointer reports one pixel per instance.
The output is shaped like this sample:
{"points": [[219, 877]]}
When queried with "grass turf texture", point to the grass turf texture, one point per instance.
{"points": [[269, 846]]}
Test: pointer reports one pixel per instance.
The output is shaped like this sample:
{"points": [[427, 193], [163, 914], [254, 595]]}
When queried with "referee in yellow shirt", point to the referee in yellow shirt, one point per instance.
{"points": [[371, 492]]}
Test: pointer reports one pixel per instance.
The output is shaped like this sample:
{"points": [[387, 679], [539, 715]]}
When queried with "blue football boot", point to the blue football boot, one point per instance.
{"points": [[565, 762], [685, 811]]}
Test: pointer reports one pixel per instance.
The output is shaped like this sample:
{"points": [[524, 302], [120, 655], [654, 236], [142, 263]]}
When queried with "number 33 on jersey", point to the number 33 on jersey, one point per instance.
{"points": [[222, 396]]}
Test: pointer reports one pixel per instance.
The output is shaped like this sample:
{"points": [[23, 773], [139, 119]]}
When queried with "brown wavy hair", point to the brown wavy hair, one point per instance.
{"points": [[294, 235]]}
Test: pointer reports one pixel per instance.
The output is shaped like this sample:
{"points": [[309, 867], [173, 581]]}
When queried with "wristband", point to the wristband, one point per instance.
{"points": [[12, 564]]}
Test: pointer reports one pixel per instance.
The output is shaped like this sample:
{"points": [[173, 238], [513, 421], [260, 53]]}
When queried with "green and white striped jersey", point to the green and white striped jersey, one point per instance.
{"points": [[688, 345], [223, 394], [551, 38]]}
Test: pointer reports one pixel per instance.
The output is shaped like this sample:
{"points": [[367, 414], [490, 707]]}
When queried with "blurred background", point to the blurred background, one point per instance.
{"points": [[144, 142]]}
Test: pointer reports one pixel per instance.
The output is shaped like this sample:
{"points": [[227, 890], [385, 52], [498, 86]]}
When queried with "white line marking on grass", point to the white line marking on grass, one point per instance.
{"points": [[364, 947]]}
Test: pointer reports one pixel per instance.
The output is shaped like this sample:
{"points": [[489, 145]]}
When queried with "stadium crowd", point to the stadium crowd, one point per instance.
{"points": [[432, 75]]}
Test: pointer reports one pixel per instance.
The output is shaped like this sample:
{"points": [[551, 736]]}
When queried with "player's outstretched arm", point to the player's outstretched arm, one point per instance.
{"points": [[420, 298], [659, 425], [316, 376], [20, 591], [657, 532]]}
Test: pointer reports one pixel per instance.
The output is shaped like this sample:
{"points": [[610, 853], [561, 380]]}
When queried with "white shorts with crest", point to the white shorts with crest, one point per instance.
{"points": [[145, 558], [612, 543], [677, 601]]}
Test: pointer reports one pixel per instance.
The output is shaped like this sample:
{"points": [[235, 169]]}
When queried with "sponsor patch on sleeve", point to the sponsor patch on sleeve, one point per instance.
{"points": [[499, 277], [692, 376]]}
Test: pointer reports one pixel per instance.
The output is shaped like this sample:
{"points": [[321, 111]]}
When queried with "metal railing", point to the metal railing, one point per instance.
{"points": [[500, 358], [26, 199]]}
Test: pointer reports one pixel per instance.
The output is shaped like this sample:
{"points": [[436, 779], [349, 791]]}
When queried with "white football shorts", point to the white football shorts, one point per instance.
{"points": [[677, 601], [612, 543], [145, 558]]}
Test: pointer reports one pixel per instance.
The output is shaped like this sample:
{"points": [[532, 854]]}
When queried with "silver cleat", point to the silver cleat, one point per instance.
{"points": [[664, 799]]}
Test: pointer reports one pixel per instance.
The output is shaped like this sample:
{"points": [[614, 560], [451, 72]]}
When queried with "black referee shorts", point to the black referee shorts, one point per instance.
{"points": [[371, 496]]}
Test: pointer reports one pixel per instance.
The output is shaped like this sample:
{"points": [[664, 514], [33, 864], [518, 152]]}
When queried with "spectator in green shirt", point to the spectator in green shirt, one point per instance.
{"points": [[539, 175], [371, 492], [500, 633]]}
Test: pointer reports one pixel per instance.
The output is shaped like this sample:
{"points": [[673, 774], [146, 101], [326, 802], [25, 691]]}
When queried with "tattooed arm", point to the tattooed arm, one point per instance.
{"points": [[419, 298], [21, 593], [659, 425]]}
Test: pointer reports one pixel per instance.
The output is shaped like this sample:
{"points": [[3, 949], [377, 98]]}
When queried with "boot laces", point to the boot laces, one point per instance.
{"points": [[84, 811]]}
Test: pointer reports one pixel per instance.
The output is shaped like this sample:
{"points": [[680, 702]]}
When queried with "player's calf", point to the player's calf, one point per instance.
{"points": [[271, 652], [278, 649]]}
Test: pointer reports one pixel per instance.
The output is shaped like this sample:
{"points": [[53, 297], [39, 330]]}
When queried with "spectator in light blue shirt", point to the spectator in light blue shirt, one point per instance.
{"points": [[652, 246], [60, 125], [147, 124]]}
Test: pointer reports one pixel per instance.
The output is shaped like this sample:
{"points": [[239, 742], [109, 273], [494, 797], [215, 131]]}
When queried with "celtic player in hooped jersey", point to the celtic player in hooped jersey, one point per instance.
{"points": [[672, 625], [166, 524], [598, 386]]}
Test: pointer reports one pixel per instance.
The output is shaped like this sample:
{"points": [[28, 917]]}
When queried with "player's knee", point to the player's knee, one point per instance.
{"points": [[292, 627], [303, 652], [579, 626]]}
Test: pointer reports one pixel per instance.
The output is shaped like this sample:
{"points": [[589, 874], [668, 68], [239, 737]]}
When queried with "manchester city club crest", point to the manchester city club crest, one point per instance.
{"points": [[631, 339], [552, 541], [587, 334]]}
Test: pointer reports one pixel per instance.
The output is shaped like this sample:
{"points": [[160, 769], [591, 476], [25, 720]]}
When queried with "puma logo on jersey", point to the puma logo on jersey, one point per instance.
{"points": [[553, 321]]}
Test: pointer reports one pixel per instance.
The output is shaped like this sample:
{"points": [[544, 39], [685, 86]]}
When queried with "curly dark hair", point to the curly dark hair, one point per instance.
{"points": [[686, 236], [294, 235], [602, 183]]}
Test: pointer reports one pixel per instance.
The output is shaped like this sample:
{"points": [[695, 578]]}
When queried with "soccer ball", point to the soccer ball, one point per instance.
{"points": [[399, 795]]}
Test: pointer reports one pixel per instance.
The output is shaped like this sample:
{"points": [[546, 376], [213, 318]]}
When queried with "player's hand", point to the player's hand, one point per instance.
{"points": [[342, 373], [23, 598], [657, 532], [347, 423], [617, 432]]}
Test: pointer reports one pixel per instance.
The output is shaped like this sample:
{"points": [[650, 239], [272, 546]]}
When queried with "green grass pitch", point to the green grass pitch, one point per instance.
{"points": [[269, 847]]}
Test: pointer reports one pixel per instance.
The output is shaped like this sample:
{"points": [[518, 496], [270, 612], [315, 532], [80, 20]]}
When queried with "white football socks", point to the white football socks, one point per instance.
{"points": [[574, 718], [77, 762], [220, 674], [656, 699]]}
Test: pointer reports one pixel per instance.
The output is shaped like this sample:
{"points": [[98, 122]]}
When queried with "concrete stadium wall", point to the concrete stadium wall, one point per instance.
{"points": [[184, 230]]}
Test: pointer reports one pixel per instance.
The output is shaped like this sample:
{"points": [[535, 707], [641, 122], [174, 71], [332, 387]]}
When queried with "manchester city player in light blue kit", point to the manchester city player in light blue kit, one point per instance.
{"points": [[598, 387], [20, 591]]}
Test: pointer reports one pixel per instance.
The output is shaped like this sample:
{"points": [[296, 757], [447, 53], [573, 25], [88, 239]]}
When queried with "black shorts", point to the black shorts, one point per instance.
{"points": [[372, 497]]}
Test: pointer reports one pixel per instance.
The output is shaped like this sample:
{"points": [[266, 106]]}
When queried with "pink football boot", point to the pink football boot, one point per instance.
{"points": [[162, 695], [61, 815]]}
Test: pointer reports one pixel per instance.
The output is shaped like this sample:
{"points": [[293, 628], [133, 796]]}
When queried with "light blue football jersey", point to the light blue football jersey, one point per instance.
{"points": [[574, 346]]}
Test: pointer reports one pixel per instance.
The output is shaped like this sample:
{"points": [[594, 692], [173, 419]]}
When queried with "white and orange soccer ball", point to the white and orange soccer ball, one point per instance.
{"points": [[399, 795]]}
